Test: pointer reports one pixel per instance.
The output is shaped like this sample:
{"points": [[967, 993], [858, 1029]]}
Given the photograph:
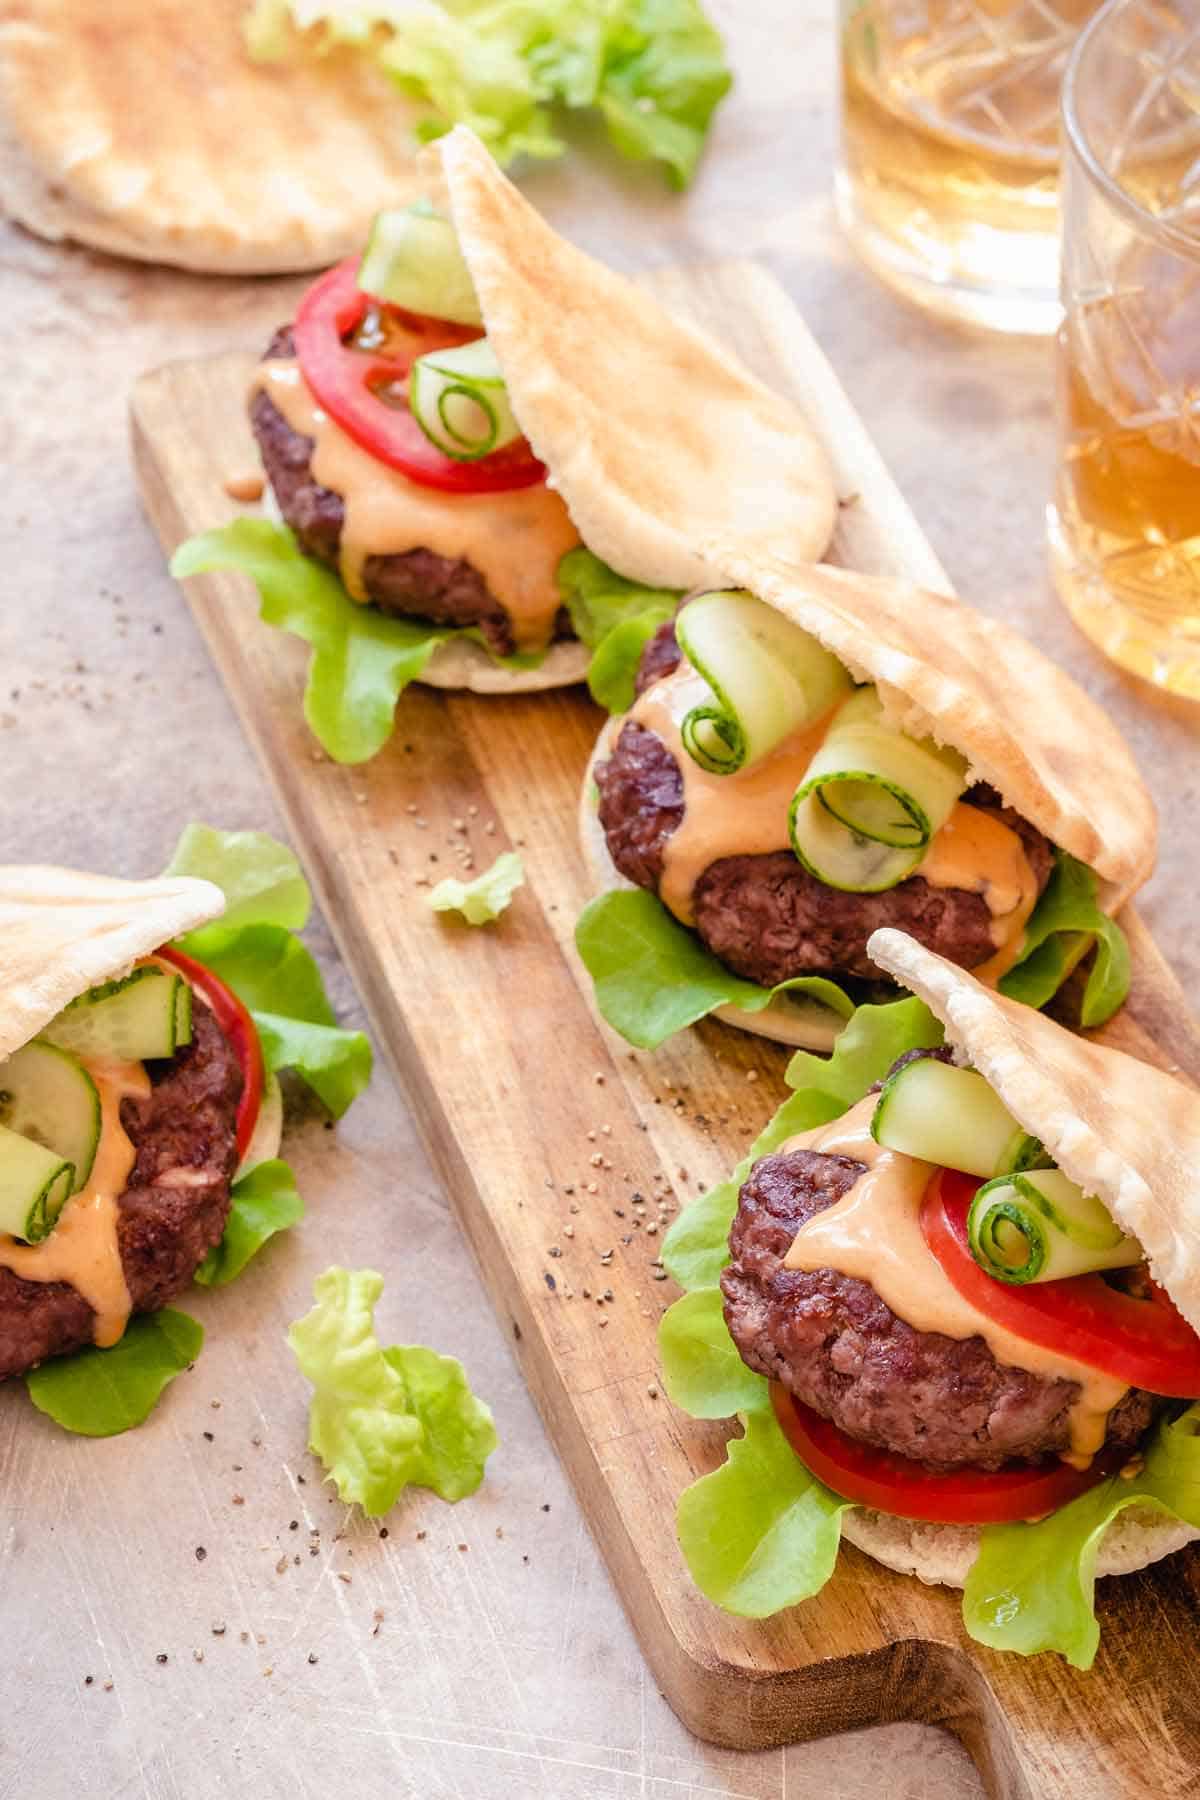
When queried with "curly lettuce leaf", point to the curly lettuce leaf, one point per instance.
{"points": [[1033, 1586], [653, 976], [759, 1533], [99, 1393], [362, 661], [702, 1370], [483, 900], [263, 1202], [655, 70], [696, 1248], [615, 618], [382, 1420], [255, 953], [1066, 920], [260, 878]]}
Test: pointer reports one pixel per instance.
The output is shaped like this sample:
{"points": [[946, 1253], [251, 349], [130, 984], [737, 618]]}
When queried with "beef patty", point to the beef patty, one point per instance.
{"points": [[446, 590], [172, 1211], [766, 916], [830, 1339]]}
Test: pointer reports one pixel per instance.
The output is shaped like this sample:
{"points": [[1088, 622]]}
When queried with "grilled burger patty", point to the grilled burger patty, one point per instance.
{"points": [[446, 590], [765, 916], [172, 1212], [830, 1339]]}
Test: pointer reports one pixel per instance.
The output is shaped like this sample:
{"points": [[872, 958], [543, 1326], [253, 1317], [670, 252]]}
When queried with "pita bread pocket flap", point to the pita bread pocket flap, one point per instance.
{"points": [[498, 456], [821, 753], [958, 1270]]}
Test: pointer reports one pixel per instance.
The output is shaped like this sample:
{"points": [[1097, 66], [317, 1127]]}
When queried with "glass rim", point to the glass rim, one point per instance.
{"points": [[1151, 224]]}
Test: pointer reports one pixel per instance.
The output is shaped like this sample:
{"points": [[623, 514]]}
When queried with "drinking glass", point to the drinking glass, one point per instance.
{"points": [[1125, 523], [948, 176]]}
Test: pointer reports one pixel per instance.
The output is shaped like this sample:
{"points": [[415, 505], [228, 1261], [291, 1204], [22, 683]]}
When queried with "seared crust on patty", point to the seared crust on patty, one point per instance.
{"points": [[171, 1213], [446, 590], [833, 1343]]}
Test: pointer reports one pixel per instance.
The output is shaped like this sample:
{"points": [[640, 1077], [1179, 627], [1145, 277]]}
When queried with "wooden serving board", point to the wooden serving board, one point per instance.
{"points": [[556, 1143]]}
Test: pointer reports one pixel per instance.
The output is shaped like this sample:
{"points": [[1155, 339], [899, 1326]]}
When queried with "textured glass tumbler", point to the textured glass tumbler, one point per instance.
{"points": [[1125, 523], [947, 183]]}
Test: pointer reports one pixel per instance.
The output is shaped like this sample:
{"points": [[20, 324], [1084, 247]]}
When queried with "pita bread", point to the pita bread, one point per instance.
{"points": [[943, 1554], [1126, 1132], [651, 430], [63, 931], [946, 671], [799, 1023], [142, 127]]}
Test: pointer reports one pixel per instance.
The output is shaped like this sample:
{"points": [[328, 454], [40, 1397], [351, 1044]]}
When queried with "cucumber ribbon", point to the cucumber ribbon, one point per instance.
{"points": [[1040, 1226], [459, 399], [872, 800], [767, 677]]}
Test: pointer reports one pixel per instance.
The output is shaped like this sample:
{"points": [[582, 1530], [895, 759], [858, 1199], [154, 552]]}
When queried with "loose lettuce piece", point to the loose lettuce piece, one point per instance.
{"points": [[696, 1248], [99, 1393], [655, 69], [702, 1370], [1068, 911], [1033, 1586], [381, 1420], [259, 877], [483, 900], [760, 1533], [653, 976], [615, 618], [264, 1202], [362, 661]]}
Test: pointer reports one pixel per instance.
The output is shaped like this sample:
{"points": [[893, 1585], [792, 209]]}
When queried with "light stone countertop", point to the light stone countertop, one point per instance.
{"points": [[479, 1653]]}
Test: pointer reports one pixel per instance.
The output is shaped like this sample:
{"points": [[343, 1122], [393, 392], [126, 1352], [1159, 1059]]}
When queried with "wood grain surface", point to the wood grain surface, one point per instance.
{"points": [[566, 1154]]}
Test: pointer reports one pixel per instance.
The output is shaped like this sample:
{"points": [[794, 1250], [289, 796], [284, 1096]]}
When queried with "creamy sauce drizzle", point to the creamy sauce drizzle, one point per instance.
{"points": [[83, 1249], [746, 814], [874, 1234], [515, 540]]}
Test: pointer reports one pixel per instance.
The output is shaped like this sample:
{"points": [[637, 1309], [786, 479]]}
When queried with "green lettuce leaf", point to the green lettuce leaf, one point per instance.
{"points": [[1033, 1586], [615, 618], [653, 976], [1066, 919], [99, 1393], [362, 661], [696, 1248], [760, 1533], [277, 980], [483, 900], [654, 69], [259, 877], [382, 1420], [264, 1202], [702, 1370]]}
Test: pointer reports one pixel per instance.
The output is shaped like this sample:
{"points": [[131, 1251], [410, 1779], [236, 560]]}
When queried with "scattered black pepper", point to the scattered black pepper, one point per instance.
{"points": [[88, 1680], [313, 1657], [161, 1657], [383, 1531], [208, 1436], [545, 1506], [548, 1278], [201, 1553]]}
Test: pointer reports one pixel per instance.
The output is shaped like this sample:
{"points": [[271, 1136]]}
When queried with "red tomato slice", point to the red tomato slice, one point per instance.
{"points": [[907, 1490], [344, 380], [238, 1027], [1146, 1343]]}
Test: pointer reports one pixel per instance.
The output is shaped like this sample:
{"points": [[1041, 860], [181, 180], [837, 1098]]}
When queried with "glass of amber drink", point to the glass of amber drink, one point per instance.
{"points": [[1125, 523], [948, 176]]}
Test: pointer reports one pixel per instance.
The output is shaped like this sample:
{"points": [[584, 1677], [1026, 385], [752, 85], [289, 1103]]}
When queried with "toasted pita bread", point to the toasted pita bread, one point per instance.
{"points": [[942, 1555], [1126, 1132], [63, 931], [650, 429], [946, 671], [142, 127]]}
